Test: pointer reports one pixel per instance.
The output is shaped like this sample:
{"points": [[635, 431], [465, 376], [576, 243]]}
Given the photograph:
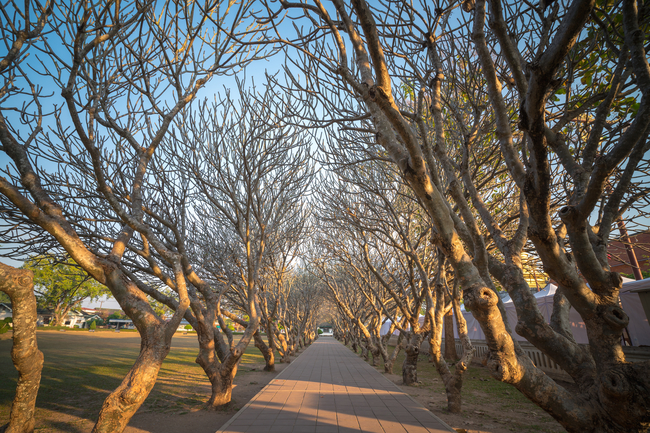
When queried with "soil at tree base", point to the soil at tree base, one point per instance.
{"points": [[482, 410]]}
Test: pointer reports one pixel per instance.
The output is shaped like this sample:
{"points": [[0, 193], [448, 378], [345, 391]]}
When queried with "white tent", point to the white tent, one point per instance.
{"points": [[638, 327], [385, 327]]}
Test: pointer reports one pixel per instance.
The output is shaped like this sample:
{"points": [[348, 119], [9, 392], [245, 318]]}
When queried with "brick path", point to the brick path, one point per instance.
{"points": [[330, 389]]}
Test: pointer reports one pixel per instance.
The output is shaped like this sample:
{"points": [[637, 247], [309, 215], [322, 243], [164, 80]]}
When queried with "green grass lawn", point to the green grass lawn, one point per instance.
{"points": [[82, 368]]}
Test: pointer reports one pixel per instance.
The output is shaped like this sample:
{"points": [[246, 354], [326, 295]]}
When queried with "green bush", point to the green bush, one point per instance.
{"points": [[320, 331], [188, 327], [93, 326], [4, 325]]}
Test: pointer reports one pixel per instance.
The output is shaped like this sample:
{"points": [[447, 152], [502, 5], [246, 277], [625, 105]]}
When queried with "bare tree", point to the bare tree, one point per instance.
{"points": [[392, 238], [124, 71], [564, 126], [251, 176], [278, 274]]}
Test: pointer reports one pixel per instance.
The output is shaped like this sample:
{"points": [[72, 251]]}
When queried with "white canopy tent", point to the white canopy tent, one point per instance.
{"points": [[638, 327], [386, 327]]}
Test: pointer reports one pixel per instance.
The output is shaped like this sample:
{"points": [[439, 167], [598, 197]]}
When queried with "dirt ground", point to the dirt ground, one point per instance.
{"points": [[151, 420], [488, 406], [202, 421]]}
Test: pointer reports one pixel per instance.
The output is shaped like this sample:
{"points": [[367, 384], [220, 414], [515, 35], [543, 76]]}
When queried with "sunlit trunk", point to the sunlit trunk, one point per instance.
{"points": [[156, 336], [267, 352], [126, 399], [364, 351], [283, 349], [28, 360], [222, 388], [390, 362]]}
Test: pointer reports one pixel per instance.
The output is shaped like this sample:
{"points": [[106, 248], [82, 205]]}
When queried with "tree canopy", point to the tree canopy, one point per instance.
{"points": [[61, 285], [407, 158]]}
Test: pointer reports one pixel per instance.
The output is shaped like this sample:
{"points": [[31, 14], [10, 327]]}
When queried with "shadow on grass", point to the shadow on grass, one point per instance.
{"points": [[81, 369]]}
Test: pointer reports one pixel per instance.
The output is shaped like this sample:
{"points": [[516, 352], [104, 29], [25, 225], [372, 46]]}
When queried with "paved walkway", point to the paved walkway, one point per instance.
{"points": [[329, 389]]}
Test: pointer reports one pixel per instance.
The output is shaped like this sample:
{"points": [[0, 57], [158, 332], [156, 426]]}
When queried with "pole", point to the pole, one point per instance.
{"points": [[630, 250]]}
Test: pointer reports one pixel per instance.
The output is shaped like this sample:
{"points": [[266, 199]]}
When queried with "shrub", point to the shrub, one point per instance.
{"points": [[93, 326], [5, 325], [320, 331]]}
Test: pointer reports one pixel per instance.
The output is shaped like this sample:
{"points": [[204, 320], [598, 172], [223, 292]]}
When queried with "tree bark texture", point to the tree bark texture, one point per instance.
{"points": [[410, 364], [390, 361], [450, 339], [156, 336], [222, 388], [267, 352], [221, 372], [27, 359], [126, 399], [285, 355]]}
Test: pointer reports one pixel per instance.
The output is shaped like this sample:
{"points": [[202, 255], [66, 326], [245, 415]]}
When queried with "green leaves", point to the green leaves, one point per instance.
{"points": [[60, 284], [5, 325]]}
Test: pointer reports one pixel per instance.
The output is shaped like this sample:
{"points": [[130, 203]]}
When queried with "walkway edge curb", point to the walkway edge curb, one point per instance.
{"points": [[223, 428]]}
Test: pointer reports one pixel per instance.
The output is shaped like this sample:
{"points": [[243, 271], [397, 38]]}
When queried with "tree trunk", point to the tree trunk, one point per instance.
{"points": [[209, 360], [390, 361], [389, 365], [222, 388], [221, 366], [450, 340], [376, 355], [364, 351], [57, 319], [410, 365], [28, 360], [283, 349], [156, 336], [297, 342], [126, 399], [270, 336], [267, 352], [220, 374]]}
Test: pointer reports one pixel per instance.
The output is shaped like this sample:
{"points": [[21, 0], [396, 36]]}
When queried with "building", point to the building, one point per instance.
{"points": [[5, 311], [326, 328], [103, 313], [183, 324], [619, 260], [121, 324], [74, 319]]}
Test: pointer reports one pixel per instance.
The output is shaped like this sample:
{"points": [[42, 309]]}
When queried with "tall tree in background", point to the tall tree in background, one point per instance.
{"points": [[61, 285]]}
